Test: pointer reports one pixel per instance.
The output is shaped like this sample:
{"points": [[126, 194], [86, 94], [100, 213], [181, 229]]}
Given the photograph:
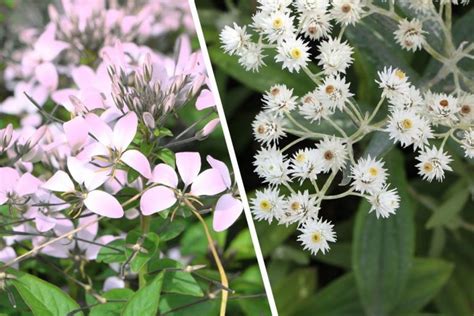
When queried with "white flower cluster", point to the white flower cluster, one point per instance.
{"points": [[299, 178]]}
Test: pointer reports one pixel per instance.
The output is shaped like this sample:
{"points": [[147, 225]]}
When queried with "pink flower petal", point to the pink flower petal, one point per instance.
{"points": [[157, 199], [222, 168], [76, 132], [189, 164], [27, 184], [227, 211], [83, 76], [205, 100], [164, 174], [90, 231], [47, 76], [9, 178], [44, 223], [7, 254], [209, 182], [93, 250], [46, 46], [59, 182], [125, 130], [103, 204], [113, 282], [137, 161], [209, 127], [99, 129]]}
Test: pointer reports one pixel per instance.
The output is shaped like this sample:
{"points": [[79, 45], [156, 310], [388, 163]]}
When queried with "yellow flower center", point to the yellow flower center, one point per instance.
{"points": [[277, 23], [316, 237], [428, 167], [400, 74], [330, 89], [295, 206], [407, 124], [296, 53], [265, 205], [261, 129], [301, 157], [373, 171]]}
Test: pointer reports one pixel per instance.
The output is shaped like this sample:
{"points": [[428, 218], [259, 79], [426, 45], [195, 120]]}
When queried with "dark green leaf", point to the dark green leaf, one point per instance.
{"points": [[109, 255], [241, 246], [383, 248], [114, 307], [145, 301], [149, 244], [167, 156], [295, 287], [43, 298]]}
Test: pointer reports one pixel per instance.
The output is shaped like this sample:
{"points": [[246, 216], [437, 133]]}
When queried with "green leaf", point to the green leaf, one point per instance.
{"points": [[427, 277], [289, 253], [188, 305], [149, 244], [383, 248], [126, 194], [452, 204], [274, 234], [167, 229], [145, 301], [181, 282], [267, 76], [109, 255], [339, 298], [194, 241], [241, 246], [115, 307], [43, 298], [167, 156], [340, 255], [297, 286]]}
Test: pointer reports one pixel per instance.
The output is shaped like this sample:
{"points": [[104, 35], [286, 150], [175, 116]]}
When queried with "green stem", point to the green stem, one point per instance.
{"points": [[145, 228]]}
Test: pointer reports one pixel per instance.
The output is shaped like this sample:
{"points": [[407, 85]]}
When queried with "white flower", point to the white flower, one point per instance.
{"points": [[270, 164], [468, 143], [384, 202], [346, 12], [293, 54], [276, 26], [408, 128], [335, 91], [369, 175], [334, 56], [315, 25], [298, 207], [443, 108], [306, 164], [394, 83], [466, 112], [251, 57], [432, 164], [333, 153], [268, 128], [412, 99], [266, 204], [410, 35], [234, 39], [311, 5], [312, 108], [279, 100], [270, 6], [315, 235]]}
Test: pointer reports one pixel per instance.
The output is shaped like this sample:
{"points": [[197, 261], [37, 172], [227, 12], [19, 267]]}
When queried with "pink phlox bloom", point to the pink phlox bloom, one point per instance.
{"points": [[158, 198], [15, 189], [97, 201], [111, 147]]}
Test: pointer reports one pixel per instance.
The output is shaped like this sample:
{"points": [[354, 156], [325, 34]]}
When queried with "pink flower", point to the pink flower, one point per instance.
{"points": [[15, 188], [228, 208], [7, 254], [111, 146], [66, 248], [97, 201], [6, 136], [158, 198]]}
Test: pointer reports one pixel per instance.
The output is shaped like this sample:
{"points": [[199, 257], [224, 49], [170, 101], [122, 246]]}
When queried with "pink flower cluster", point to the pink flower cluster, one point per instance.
{"points": [[82, 127]]}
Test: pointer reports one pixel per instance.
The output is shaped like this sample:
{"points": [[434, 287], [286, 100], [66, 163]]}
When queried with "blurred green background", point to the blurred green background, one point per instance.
{"points": [[419, 261]]}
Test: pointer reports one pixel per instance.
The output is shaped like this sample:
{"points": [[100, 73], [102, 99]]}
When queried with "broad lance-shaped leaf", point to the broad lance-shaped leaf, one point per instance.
{"points": [[383, 248], [145, 302], [43, 298], [340, 297], [427, 278]]}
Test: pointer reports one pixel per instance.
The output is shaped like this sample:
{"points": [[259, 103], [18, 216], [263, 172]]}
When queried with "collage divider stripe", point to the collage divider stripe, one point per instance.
{"points": [[233, 158]]}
